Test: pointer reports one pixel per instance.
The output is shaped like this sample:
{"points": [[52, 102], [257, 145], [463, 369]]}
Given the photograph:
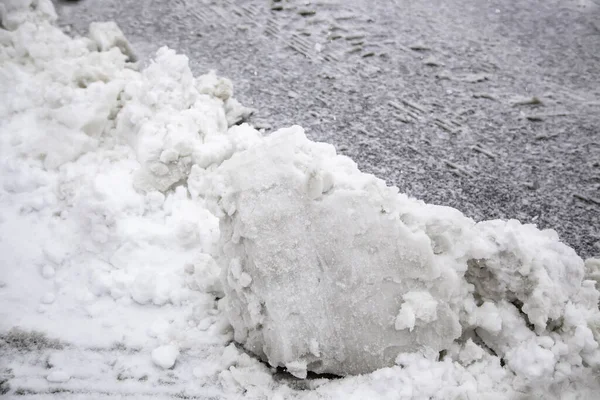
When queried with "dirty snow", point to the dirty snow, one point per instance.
{"points": [[142, 231]]}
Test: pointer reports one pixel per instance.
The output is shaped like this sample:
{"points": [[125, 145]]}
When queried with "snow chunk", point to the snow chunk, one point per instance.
{"points": [[470, 352], [48, 298], [107, 35], [314, 251], [297, 368], [489, 318], [329, 265], [406, 318], [417, 305], [592, 270], [206, 274], [174, 120], [165, 356], [48, 271], [58, 376]]}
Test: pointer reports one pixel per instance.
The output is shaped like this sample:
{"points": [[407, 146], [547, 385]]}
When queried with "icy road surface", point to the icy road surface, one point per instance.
{"points": [[492, 107]]}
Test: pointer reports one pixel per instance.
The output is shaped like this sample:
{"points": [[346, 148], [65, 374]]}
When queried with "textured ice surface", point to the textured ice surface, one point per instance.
{"points": [[329, 270], [314, 250]]}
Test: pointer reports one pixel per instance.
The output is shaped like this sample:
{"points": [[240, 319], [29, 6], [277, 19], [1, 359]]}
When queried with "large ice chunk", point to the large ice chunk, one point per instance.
{"points": [[327, 269], [320, 271]]}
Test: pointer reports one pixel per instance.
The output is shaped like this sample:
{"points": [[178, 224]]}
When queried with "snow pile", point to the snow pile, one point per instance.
{"points": [[117, 184], [94, 220], [327, 269], [174, 121]]}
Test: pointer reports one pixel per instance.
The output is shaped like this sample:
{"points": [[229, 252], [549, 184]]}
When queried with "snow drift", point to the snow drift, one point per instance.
{"points": [[117, 183]]}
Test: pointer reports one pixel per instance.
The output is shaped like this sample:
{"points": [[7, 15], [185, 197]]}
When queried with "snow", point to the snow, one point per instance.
{"points": [[315, 250], [108, 35], [322, 264], [417, 305], [165, 356], [48, 271], [58, 376], [152, 245]]}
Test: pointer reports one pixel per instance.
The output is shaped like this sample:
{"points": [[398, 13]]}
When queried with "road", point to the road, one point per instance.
{"points": [[492, 107]]}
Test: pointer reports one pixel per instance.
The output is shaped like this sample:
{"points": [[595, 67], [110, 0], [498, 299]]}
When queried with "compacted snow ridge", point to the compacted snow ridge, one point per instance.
{"points": [[153, 246]]}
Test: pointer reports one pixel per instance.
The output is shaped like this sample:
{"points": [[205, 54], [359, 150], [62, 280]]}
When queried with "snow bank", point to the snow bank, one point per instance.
{"points": [[95, 218], [117, 184], [327, 269]]}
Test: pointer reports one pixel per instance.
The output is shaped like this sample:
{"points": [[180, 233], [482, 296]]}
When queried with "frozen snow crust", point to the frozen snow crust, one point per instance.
{"points": [[131, 203]]}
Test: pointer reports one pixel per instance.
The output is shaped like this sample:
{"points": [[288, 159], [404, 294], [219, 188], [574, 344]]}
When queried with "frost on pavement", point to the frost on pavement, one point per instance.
{"points": [[117, 184], [327, 269]]}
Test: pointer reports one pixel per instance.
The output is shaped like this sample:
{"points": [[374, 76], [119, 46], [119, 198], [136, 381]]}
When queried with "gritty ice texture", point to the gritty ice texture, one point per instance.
{"points": [[117, 184], [327, 269]]}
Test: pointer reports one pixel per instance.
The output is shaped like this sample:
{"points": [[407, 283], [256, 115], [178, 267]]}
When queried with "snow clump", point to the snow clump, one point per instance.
{"points": [[327, 269]]}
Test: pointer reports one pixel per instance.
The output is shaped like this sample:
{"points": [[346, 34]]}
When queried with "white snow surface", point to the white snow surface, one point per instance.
{"points": [[152, 248]]}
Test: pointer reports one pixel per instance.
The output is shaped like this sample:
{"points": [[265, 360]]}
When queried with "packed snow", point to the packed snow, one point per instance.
{"points": [[138, 216], [344, 278]]}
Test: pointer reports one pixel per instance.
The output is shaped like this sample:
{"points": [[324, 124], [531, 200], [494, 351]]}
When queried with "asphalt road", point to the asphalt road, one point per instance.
{"points": [[492, 107]]}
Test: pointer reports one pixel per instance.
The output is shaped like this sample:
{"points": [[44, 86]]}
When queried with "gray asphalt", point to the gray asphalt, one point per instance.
{"points": [[492, 107]]}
